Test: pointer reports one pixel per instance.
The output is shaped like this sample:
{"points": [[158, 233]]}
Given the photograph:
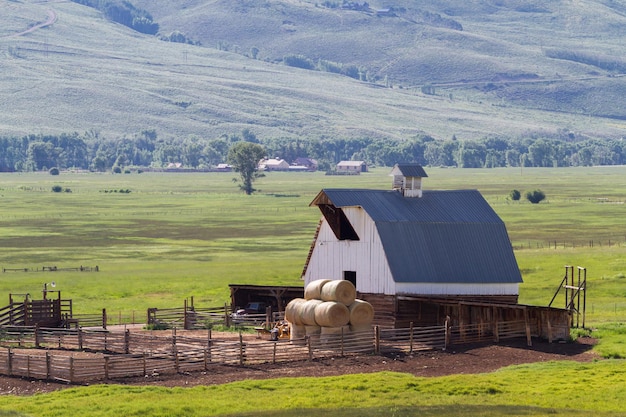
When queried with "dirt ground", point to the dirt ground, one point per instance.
{"points": [[466, 359]]}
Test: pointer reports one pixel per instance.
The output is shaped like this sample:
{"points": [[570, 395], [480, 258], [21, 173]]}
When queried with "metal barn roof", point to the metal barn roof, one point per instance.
{"points": [[442, 237], [410, 170]]}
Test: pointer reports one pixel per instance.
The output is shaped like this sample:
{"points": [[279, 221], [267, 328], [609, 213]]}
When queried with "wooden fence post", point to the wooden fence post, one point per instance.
{"points": [[447, 337], [104, 318], [48, 365], [528, 338], [226, 316], [37, 335], [377, 340], [127, 341], [342, 341], [411, 337], [240, 349], [209, 344], [308, 343], [274, 353], [496, 326], [185, 316], [80, 338], [71, 368], [10, 361]]}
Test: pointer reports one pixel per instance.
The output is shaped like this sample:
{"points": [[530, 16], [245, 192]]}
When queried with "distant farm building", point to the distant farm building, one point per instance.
{"points": [[310, 164], [422, 255], [351, 166], [223, 168], [273, 164]]}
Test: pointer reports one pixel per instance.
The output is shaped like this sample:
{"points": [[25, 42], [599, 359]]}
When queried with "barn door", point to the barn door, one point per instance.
{"points": [[350, 276]]}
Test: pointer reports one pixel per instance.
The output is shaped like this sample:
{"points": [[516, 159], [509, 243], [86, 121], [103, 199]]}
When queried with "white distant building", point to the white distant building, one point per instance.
{"points": [[273, 164]]}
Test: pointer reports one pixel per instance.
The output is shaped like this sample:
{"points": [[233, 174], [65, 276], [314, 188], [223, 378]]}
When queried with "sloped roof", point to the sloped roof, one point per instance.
{"points": [[410, 170], [442, 237]]}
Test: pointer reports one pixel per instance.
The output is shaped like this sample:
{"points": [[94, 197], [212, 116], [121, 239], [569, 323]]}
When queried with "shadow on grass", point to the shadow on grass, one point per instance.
{"points": [[566, 349], [431, 411]]}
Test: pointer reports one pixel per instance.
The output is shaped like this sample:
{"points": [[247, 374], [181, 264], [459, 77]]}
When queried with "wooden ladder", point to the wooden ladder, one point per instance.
{"points": [[308, 258]]}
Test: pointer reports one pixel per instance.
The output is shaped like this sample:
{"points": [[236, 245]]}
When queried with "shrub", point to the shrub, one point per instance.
{"points": [[158, 325], [117, 170], [515, 195], [298, 61], [54, 171], [57, 188], [535, 196]]}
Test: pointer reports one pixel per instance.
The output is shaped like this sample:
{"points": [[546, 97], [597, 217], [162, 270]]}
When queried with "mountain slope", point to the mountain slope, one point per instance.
{"points": [[467, 43], [84, 73]]}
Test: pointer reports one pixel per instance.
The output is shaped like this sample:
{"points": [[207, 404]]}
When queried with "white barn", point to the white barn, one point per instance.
{"points": [[409, 241]]}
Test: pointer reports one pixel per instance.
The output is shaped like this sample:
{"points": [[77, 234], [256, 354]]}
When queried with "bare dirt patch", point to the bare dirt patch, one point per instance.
{"points": [[466, 359]]}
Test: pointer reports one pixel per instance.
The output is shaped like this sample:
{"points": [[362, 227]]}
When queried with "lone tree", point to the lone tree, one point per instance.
{"points": [[515, 195], [535, 196], [244, 158]]}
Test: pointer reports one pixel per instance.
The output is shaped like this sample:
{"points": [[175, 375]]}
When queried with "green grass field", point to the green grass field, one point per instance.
{"points": [[180, 235], [564, 389]]}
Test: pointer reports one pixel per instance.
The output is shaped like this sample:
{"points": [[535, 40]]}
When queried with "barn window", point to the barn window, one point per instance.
{"points": [[338, 222]]}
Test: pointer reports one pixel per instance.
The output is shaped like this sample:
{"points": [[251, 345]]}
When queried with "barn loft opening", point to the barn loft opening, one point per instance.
{"points": [[338, 222]]}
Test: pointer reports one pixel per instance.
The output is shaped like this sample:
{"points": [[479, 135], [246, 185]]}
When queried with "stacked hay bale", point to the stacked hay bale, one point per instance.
{"points": [[329, 308]]}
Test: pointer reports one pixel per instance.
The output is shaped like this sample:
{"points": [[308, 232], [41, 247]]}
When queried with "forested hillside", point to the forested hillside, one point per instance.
{"points": [[453, 83]]}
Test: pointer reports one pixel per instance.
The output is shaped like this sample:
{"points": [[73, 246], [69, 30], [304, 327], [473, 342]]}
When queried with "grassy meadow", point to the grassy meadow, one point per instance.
{"points": [[564, 389], [179, 235], [175, 236]]}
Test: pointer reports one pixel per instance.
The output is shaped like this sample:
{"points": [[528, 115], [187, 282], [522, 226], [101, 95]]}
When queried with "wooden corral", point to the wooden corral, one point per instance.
{"points": [[276, 297], [45, 312], [480, 316]]}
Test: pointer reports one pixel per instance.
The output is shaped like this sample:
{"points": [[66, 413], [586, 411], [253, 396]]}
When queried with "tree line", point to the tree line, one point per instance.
{"points": [[91, 151]]}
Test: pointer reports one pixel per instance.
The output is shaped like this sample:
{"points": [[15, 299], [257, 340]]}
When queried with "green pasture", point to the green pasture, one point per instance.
{"points": [[179, 235], [557, 389], [174, 236]]}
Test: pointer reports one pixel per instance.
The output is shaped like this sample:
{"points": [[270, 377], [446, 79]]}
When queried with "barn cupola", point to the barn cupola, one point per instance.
{"points": [[407, 179]]}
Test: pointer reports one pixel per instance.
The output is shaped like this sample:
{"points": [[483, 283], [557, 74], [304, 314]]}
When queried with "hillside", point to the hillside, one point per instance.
{"points": [[495, 68]]}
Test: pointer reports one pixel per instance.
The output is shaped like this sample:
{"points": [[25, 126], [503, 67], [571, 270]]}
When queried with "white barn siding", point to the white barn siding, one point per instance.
{"points": [[456, 289], [331, 257]]}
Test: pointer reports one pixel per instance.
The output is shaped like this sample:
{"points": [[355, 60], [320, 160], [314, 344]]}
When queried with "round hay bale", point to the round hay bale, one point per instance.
{"points": [[313, 330], [340, 290], [306, 312], [292, 314], [297, 333], [314, 289], [331, 314], [361, 313]]}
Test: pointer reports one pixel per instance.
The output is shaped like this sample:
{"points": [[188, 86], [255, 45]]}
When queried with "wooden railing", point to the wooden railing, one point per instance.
{"points": [[128, 354]]}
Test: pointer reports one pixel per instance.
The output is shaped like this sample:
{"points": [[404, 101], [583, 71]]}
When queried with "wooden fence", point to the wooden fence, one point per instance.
{"points": [[101, 355]]}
